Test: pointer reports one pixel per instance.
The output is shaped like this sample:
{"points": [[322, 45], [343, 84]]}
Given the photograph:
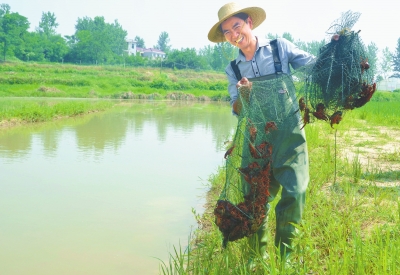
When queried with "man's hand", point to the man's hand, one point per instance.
{"points": [[244, 88], [243, 82], [335, 37]]}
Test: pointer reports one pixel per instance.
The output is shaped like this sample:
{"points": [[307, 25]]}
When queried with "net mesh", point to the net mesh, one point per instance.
{"points": [[339, 79], [273, 110], [262, 125]]}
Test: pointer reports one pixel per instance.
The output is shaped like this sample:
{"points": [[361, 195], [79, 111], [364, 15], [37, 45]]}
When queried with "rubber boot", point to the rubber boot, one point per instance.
{"points": [[258, 243]]}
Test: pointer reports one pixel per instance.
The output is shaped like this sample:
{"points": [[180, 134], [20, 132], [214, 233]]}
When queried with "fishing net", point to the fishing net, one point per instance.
{"points": [[273, 111], [269, 115], [339, 80]]}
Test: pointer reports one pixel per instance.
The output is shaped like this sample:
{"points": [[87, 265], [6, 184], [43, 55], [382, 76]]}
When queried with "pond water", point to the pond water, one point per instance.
{"points": [[108, 193]]}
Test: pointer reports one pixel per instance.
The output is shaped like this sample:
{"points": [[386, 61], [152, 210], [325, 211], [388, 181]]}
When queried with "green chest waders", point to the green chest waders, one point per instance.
{"points": [[273, 99]]}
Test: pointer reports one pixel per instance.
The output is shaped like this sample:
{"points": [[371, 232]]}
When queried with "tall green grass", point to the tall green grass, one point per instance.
{"points": [[28, 111], [351, 225], [65, 80]]}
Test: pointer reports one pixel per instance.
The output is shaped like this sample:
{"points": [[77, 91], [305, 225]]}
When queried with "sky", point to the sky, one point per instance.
{"points": [[188, 22]]}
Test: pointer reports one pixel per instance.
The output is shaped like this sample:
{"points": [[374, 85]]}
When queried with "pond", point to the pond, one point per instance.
{"points": [[107, 193]]}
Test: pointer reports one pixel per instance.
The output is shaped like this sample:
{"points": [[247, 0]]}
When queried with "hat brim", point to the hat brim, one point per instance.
{"points": [[257, 15]]}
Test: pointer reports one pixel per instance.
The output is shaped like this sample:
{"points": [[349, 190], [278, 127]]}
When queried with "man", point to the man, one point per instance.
{"points": [[290, 158]]}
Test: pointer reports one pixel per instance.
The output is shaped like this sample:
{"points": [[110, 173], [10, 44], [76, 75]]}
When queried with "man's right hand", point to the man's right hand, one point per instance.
{"points": [[243, 82], [244, 88]]}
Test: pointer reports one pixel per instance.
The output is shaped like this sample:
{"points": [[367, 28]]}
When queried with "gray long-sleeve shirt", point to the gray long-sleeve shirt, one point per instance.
{"points": [[262, 62]]}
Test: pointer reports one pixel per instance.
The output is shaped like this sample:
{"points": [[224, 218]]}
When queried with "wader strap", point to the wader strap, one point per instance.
{"points": [[235, 69], [275, 55]]}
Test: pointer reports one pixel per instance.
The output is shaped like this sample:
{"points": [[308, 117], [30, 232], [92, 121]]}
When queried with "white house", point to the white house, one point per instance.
{"points": [[149, 53], [132, 49], [389, 84]]}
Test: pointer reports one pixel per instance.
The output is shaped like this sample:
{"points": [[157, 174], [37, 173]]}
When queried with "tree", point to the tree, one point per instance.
{"points": [[396, 60], [53, 45], [312, 47], [96, 41], [13, 27], [271, 36], [139, 42], [386, 63], [4, 8], [218, 56], [372, 55], [288, 36], [47, 24], [32, 49], [163, 42], [184, 59]]}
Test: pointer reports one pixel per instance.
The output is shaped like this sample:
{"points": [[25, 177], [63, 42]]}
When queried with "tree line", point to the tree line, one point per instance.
{"points": [[98, 42]]}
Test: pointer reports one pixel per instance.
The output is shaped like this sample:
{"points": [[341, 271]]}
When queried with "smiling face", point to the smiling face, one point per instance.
{"points": [[238, 32]]}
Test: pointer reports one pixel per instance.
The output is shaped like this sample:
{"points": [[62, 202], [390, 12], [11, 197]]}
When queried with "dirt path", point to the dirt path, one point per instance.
{"points": [[377, 149]]}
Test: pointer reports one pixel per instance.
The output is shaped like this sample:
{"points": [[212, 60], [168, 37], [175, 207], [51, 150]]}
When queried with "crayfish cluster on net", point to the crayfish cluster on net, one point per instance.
{"points": [[338, 80], [359, 96], [360, 99], [319, 113], [245, 218]]}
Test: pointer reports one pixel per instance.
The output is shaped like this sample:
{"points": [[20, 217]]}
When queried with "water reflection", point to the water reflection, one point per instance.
{"points": [[106, 193]]}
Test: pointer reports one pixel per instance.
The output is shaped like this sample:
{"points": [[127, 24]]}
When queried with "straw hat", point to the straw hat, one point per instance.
{"points": [[257, 15]]}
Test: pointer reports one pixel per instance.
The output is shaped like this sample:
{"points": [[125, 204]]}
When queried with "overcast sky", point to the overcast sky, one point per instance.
{"points": [[187, 22]]}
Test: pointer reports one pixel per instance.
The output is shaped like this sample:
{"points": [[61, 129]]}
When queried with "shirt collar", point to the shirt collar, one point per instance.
{"points": [[261, 42]]}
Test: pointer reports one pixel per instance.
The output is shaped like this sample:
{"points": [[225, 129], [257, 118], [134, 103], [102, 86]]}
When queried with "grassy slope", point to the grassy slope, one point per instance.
{"points": [[57, 80], [352, 217]]}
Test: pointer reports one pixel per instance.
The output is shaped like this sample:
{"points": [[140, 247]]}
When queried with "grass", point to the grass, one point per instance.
{"points": [[16, 111], [65, 80], [351, 223]]}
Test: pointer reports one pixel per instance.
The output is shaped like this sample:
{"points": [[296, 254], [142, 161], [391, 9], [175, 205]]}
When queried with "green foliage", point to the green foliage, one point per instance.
{"points": [[96, 41], [139, 42], [185, 58], [372, 56], [163, 42], [47, 24], [312, 47], [56, 80], [13, 27], [32, 49], [39, 111], [386, 64], [396, 59], [218, 56]]}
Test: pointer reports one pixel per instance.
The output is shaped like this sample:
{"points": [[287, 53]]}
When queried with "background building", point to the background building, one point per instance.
{"points": [[150, 53]]}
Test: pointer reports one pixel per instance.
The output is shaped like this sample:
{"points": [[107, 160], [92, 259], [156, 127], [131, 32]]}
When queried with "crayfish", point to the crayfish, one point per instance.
{"points": [[306, 117], [336, 118], [367, 91], [245, 218], [270, 126], [252, 130], [320, 112], [364, 65], [229, 152]]}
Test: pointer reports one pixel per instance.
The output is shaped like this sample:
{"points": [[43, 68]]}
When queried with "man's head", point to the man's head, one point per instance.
{"points": [[251, 16]]}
